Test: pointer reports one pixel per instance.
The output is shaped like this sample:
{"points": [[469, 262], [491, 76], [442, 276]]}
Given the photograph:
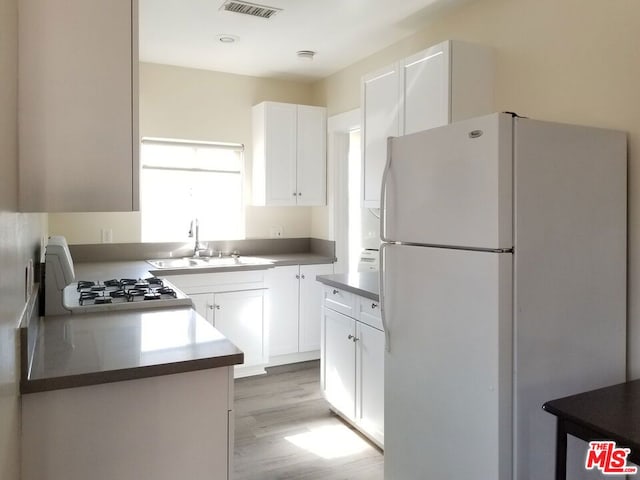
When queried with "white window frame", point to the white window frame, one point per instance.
{"points": [[237, 147]]}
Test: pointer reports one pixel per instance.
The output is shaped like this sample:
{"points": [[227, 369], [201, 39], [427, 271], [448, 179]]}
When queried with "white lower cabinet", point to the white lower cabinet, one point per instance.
{"points": [[370, 380], [234, 303], [283, 303], [294, 301], [161, 428], [310, 303], [239, 316], [340, 362], [271, 315], [353, 361]]}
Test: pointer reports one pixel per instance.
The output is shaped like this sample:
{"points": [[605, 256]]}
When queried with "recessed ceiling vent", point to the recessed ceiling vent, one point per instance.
{"points": [[247, 8]]}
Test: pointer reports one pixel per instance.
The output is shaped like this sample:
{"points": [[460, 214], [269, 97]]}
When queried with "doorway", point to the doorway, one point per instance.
{"points": [[344, 167]]}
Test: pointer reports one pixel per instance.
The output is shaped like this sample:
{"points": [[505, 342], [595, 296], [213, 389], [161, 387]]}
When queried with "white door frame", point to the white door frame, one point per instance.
{"points": [[338, 128]]}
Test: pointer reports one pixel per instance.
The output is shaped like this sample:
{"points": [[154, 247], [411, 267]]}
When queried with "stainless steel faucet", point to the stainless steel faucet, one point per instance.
{"points": [[197, 246]]}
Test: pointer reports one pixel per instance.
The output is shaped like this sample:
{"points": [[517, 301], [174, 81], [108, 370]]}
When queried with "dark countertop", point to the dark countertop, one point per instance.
{"points": [[78, 350], [364, 284], [142, 269]]}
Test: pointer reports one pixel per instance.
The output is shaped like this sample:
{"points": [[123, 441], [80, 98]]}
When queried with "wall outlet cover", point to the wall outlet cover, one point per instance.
{"points": [[276, 231], [106, 235]]}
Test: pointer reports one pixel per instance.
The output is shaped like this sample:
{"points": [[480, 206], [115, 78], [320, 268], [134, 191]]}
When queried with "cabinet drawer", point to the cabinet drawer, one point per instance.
{"points": [[369, 312], [339, 300]]}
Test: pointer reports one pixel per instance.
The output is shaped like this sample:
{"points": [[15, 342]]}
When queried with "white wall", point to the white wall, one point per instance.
{"points": [[572, 61], [193, 104], [20, 237]]}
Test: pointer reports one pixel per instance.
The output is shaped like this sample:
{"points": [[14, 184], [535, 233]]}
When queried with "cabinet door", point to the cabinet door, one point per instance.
{"points": [[425, 89], [280, 125], [340, 362], [239, 316], [380, 103], [203, 304], [370, 380], [312, 159], [282, 310], [77, 105], [311, 306]]}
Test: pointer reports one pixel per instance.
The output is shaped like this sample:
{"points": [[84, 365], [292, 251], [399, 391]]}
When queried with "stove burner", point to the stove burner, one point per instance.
{"points": [[112, 283], [167, 291], [102, 300], [84, 284], [135, 292], [152, 295], [127, 281], [117, 293], [141, 284], [87, 296], [98, 288], [154, 281]]}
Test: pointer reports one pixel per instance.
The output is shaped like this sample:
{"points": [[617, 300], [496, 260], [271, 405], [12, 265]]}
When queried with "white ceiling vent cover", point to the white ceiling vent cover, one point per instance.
{"points": [[247, 8]]}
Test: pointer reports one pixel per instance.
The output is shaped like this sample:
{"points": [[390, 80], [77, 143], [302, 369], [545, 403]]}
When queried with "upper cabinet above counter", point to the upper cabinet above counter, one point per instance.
{"points": [[445, 83], [289, 154], [78, 105]]}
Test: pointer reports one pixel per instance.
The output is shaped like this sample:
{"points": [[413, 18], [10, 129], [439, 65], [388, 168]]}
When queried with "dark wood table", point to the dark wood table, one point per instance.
{"points": [[610, 413]]}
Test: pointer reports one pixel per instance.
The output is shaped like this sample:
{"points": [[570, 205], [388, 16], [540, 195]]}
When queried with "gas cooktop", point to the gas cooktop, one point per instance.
{"points": [[122, 294]]}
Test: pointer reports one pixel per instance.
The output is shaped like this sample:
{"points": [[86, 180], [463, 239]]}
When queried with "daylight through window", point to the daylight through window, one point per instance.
{"points": [[184, 180]]}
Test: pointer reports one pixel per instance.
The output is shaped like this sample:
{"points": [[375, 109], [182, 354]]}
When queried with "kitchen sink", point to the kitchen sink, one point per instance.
{"points": [[206, 262]]}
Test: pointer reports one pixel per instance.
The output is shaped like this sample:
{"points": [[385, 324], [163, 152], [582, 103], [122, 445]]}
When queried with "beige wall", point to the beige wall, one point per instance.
{"points": [[186, 103], [20, 236], [562, 60]]}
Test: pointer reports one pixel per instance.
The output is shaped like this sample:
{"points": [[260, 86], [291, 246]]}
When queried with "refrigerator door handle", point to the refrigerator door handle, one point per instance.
{"points": [[385, 327], [383, 193]]}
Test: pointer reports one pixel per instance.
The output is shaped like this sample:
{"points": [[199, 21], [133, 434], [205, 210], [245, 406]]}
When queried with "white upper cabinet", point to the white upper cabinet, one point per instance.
{"points": [[274, 153], [445, 83], [78, 122], [424, 89], [380, 120], [311, 168], [289, 154]]}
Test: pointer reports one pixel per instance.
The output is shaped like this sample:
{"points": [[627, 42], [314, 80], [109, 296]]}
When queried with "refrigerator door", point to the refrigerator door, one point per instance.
{"points": [[448, 382], [451, 185]]}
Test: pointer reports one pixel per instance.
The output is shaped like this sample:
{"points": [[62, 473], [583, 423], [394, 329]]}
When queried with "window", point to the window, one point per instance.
{"points": [[183, 180]]}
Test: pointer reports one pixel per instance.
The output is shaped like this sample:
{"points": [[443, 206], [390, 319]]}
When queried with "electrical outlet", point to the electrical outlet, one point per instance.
{"points": [[106, 235], [276, 231]]}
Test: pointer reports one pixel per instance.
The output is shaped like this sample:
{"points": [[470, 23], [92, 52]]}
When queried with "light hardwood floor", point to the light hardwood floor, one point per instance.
{"points": [[285, 430]]}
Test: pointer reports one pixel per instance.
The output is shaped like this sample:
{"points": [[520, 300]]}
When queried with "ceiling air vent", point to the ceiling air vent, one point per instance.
{"points": [[247, 8]]}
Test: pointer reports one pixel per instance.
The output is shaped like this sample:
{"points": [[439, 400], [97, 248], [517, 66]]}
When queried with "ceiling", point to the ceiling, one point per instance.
{"points": [[185, 33]]}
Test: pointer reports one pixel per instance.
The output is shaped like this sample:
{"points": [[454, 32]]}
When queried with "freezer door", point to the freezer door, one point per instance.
{"points": [[451, 185], [448, 382]]}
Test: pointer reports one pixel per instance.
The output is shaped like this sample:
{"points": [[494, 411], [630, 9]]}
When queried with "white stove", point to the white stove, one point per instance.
{"points": [[65, 295]]}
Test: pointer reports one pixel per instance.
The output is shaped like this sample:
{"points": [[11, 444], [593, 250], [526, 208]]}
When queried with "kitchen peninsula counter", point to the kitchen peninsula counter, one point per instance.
{"points": [[96, 348], [127, 395]]}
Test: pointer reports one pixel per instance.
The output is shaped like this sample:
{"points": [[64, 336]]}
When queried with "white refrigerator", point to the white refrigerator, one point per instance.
{"points": [[503, 285]]}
